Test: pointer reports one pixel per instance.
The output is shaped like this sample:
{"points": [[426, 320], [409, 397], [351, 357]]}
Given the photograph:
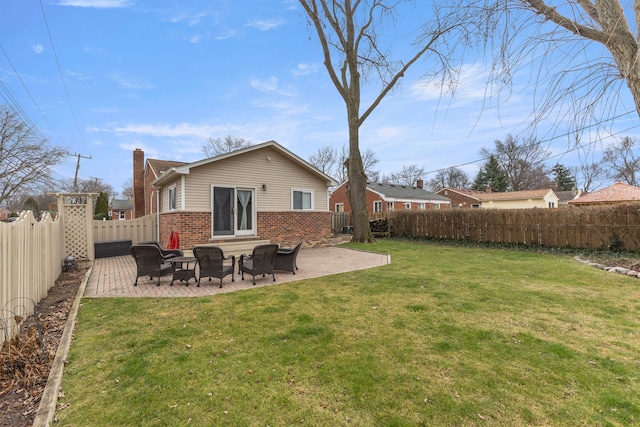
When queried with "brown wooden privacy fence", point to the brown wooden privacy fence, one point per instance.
{"points": [[31, 254], [614, 227]]}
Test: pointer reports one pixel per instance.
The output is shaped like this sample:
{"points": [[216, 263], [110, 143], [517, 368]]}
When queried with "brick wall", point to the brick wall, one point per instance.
{"points": [[283, 228], [288, 228]]}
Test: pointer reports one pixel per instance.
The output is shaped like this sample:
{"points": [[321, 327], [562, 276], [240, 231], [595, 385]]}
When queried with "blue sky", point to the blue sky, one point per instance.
{"points": [[166, 76]]}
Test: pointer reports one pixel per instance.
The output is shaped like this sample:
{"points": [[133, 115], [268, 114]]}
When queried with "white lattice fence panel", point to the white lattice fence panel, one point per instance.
{"points": [[75, 231]]}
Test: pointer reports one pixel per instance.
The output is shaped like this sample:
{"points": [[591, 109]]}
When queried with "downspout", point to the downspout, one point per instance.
{"points": [[158, 213]]}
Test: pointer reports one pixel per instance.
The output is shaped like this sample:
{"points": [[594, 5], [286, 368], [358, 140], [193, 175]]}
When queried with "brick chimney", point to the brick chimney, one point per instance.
{"points": [[488, 190], [138, 183], [420, 183]]}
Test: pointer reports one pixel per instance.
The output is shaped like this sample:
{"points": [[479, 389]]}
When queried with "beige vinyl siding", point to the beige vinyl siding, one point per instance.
{"points": [[165, 195], [251, 170]]}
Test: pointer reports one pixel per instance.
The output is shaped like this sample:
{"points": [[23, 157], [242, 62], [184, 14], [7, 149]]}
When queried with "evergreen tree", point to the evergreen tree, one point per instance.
{"points": [[491, 175], [102, 206], [563, 179]]}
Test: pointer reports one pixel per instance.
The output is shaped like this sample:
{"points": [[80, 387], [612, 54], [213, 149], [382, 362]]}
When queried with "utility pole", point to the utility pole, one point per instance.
{"points": [[75, 180]]}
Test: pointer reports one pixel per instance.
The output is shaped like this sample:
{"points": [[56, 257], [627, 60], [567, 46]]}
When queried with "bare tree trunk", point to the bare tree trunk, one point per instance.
{"points": [[357, 189]]}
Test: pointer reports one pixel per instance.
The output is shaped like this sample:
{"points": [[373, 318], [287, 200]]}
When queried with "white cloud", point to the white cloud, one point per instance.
{"points": [[128, 84], [305, 69], [190, 20], [265, 24], [196, 38], [98, 4], [183, 130], [269, 85], [227, 34], [37, 48]]}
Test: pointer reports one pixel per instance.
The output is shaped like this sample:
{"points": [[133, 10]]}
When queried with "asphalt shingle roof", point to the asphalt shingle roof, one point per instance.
{"points": [[404, 192], [616, 193]]}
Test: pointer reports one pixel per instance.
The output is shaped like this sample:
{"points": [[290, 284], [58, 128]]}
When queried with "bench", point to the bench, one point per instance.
{"points": [[112, 248]]}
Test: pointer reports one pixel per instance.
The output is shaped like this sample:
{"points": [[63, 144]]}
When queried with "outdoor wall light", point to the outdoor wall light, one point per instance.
{"points": [[268, 157], [264, 187]]}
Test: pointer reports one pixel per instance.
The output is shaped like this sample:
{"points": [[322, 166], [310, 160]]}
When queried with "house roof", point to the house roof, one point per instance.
{"points": [[474, 194], [159, 167], [616, 193], [121, 204], [513, 195], [565, 196], [392, 192], [184, 168]]}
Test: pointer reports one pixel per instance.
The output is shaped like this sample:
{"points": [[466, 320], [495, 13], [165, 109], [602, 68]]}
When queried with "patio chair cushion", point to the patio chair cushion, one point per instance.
{"points": [[259, 262]]}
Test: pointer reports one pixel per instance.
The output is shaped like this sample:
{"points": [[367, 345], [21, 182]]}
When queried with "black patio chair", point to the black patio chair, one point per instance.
{"points": [[211, 260], [286, 258], [259, 262], [149, 262], [166, 253]]}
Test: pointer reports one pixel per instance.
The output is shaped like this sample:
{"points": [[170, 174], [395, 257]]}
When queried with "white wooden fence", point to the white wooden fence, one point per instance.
{"points": [[136, 230], [31, 254]]}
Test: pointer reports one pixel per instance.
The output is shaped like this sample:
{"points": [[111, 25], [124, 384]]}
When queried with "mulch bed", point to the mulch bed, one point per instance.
{"points": [[25, 360]]}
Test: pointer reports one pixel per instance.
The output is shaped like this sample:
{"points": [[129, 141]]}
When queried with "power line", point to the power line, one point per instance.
{"points": [[548, 140], [55, 54], [15, 104]]}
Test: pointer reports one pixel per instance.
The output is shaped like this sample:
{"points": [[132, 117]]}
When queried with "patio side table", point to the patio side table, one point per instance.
{"points": [[184, 268]]}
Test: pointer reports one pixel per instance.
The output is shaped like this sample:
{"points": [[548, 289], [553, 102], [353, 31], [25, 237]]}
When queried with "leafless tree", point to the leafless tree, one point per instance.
{"points": [[369, 161], [324, 159], [452, 177], [127, 189], [26, 161], [523, 162], [355, 48], [217, 146], [578, 53], [90, 185], [588, 176], [621, 162], [408, 175]]}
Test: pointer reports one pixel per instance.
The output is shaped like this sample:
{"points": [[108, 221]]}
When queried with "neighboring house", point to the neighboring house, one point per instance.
{"points": [[144, 173], [566, 196], [464, 198], [121, 209], [4, 214], [261, 192], [545, 198], [614, 194], [383, 197], [461, 198]]}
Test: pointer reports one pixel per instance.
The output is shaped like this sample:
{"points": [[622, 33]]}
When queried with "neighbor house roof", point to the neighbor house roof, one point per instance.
{"points": [[566, 196], [121, 205], [159, 167], [513, 195], [184, 168], [405, 193], [616, 193], [474, 194]]}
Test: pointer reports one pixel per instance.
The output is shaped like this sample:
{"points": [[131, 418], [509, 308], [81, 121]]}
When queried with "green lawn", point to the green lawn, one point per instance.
{"points": [[442, 336]]}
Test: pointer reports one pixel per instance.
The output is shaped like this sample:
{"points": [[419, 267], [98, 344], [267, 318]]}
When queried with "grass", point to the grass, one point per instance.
{"points": [[442, 336]]}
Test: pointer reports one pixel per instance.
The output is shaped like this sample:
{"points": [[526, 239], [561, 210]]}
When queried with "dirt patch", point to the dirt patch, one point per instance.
{"points": [[25, 361]]}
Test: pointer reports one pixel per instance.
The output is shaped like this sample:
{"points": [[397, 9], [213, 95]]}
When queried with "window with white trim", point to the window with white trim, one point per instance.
{"points": [[421, 206], [377, 206], [302, 200], [389, 206], [436, 205], [407, 206], [339, 207], [172, 198], [122, 215]]}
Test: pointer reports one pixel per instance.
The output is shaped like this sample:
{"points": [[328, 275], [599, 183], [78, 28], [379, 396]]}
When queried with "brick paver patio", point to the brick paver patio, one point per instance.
{"points": [[115, 276]]}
